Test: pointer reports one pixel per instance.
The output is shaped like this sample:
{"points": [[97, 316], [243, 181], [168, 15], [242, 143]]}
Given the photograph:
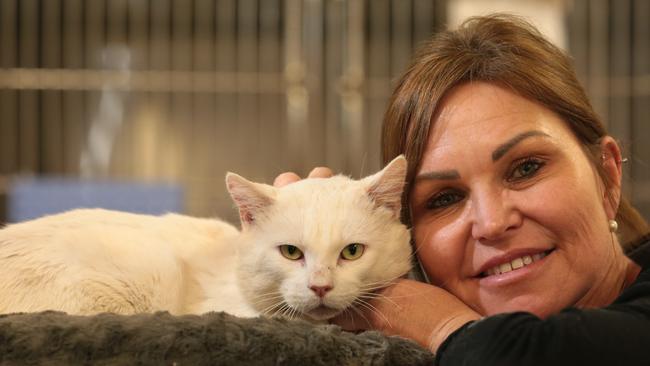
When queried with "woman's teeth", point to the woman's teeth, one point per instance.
{"points": [[514, 264]]}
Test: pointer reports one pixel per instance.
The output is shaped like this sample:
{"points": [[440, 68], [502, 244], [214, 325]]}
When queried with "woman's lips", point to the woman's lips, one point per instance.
{"points": [[511, 262]]}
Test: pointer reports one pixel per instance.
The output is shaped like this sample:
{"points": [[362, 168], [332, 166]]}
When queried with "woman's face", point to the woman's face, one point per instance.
{"points": [[508, 213]]}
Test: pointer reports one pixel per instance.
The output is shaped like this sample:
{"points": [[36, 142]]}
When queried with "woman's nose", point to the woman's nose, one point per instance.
{"points": [[493, 214]]}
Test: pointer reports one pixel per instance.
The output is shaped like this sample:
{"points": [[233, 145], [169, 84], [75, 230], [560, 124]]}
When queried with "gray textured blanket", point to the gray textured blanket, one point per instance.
{"points": [[53, 338]]}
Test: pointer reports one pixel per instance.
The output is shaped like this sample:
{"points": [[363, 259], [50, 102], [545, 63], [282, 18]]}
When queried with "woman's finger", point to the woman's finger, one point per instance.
{"points": [[321, 172], [285, 178], [291, 177]]}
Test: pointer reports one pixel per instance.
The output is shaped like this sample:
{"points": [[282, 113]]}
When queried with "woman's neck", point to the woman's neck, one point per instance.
{"points": [[618, 277], [632, 273]]}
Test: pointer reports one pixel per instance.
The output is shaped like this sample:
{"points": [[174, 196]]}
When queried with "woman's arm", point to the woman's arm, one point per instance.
{"points": [[616, 334], [573, 337], [415, 310]]}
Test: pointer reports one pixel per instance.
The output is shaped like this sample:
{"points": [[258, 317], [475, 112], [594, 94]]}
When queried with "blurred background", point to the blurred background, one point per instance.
{"points": [[143, 105]]}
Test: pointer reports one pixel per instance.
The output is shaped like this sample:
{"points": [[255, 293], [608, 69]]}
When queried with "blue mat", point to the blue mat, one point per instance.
{"points": [[29, 198]]}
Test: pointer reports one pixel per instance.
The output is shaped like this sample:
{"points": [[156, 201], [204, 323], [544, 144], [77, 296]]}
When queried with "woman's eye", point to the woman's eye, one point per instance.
{"points": [[352, 251], [444, 199], [290, 252], [525, 169]]}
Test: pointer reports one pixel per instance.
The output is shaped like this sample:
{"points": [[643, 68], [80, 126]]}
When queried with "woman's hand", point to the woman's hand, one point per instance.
{"points": [[424, 313], [291, 177]]}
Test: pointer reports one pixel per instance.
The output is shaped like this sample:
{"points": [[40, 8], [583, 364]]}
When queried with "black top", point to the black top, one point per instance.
{"points": [[618, 334]]}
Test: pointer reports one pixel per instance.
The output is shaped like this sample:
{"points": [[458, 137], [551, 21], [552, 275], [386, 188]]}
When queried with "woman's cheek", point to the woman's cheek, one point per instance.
{"points": [[564, 212], [438, 251]]}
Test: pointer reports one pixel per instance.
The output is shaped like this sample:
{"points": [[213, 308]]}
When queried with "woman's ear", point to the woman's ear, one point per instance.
{"points": [[612, 163]]}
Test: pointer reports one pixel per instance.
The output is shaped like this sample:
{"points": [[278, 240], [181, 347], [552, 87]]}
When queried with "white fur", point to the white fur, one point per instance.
{"points": [[91, 260]]}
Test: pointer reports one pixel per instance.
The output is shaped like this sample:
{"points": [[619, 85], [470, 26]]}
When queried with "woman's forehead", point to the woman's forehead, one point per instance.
{"points": [[479, 111]]}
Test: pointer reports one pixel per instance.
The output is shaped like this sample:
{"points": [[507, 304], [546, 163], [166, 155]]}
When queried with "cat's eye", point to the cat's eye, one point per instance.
{"points": [[352, 251], [290, 252]]}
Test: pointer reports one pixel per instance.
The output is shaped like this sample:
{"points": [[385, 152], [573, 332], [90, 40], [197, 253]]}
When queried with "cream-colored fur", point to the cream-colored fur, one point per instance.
{"points": [[91, 260]]}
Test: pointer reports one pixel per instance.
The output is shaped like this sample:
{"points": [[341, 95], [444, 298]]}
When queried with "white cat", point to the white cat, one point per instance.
{"points": [[310, 249]]}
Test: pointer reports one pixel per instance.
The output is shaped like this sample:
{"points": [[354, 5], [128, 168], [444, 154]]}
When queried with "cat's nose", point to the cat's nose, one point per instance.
{"points": [[320, 291]]}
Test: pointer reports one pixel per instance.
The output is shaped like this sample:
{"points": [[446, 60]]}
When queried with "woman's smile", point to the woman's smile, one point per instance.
{"points": [[505, 263], [518, 269]]}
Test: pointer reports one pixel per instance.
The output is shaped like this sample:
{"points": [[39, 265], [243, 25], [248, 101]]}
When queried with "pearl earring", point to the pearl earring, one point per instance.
{"points": [[613, 226]]}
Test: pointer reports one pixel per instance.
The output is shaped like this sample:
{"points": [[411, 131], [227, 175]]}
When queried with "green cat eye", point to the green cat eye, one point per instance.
{"points": [[352, 251], [290, 252]]}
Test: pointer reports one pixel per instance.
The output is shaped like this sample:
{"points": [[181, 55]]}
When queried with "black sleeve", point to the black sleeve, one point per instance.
{"points": [[616, 335]]}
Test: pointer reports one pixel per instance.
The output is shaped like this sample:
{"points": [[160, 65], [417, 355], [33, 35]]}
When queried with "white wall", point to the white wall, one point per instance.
{"points": [[547, 15]]}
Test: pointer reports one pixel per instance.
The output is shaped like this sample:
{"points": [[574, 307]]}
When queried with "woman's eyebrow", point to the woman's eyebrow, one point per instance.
{"points": [[441, 175], [503, 148]]}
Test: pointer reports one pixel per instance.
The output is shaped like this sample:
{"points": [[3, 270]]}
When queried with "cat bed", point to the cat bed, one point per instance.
{"points": [[55, 338]]}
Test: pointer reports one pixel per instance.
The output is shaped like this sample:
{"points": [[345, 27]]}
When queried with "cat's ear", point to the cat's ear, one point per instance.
{"points": [[251, 198], [385, 188]]}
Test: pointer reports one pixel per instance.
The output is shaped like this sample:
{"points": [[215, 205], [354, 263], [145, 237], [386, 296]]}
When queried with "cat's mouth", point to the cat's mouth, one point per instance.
{"points": [[322, 312]]}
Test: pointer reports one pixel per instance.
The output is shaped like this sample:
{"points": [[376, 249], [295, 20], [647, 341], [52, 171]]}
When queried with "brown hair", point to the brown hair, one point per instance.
{"points": [[506, 50]]}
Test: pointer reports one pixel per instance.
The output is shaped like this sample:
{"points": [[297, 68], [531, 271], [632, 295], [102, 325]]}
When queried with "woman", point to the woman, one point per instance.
{"points": [[514, 197]]}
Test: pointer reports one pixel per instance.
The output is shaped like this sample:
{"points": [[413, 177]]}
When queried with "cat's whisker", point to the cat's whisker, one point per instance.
{"points": [[362, 304], [380, 284], [267, 303], [349, 314], [375, 287], [376, 309], [271, 308], [293, 314], [373, 309], [378, 297], [285, 310], [367, 291], [404, 296], [280, 310], [370, 295], [367, 287], [275, 298], [360, 313], [267, 296], [288, 312]]}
